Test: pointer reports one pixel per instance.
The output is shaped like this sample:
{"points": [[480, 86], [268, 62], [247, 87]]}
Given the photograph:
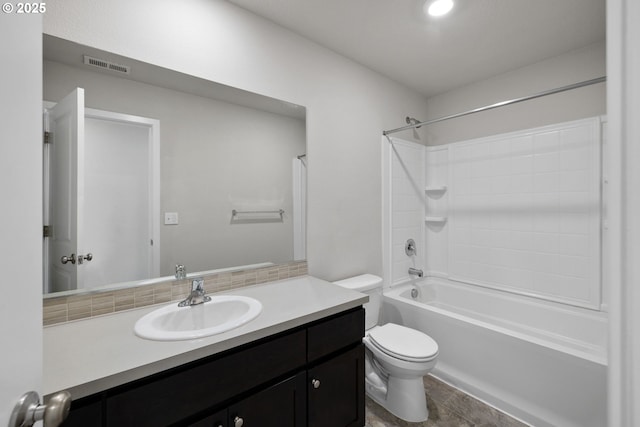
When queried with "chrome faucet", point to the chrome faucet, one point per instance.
{"points": [[197, 295], [181, 272], [415, 272]]}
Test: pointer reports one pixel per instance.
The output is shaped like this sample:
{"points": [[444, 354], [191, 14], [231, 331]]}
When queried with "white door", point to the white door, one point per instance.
{"points": [[66, 189], [101, 180], [119, 166], [21, 195]]}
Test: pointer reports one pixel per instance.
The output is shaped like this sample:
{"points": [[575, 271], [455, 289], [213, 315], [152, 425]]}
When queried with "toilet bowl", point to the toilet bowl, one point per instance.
{"points": [[397, 357]]}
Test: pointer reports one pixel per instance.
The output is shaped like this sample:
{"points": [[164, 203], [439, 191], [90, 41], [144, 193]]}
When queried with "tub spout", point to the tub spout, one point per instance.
{"points": [[415, 272]]}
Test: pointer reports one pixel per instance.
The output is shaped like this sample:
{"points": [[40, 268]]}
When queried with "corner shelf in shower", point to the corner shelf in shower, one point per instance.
{"points": [[435, 219], [435, 189]]}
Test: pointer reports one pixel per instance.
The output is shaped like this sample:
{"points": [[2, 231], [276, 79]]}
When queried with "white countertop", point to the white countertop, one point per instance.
{"points": [[88, 356]]}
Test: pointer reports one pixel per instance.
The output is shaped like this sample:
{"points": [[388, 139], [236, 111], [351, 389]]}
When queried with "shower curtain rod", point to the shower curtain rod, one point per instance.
{"points": [[500, 104]]}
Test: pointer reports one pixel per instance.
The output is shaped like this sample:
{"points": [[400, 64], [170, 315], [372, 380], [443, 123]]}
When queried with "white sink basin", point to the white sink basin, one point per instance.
{"points": [[221, 314]]}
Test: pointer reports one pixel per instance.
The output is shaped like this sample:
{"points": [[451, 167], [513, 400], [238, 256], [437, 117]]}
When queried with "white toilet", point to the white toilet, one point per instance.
{"points": [[397, 357]]}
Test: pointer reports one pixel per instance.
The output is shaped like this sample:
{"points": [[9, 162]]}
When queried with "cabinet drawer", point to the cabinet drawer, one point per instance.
{"points": [[174, 397], [334, 334]]}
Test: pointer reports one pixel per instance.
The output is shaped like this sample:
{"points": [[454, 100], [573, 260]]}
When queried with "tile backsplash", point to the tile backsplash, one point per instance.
{"points": [[75, 307]]}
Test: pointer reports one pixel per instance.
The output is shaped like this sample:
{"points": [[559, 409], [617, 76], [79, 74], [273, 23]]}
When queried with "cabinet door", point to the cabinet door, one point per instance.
{"points": [[336, 391], [282, 405]]}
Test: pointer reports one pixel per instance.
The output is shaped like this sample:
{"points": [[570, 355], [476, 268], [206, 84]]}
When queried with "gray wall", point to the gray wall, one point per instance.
{"points": [[215, 157], [579, 65]]}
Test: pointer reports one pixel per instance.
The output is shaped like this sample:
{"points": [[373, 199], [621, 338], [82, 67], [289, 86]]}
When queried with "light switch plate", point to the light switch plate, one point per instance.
{"points": [[170, 218]]}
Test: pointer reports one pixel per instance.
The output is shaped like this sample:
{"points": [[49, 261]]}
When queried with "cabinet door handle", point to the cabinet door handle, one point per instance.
{"points": [[315, 383], [237, 422]]}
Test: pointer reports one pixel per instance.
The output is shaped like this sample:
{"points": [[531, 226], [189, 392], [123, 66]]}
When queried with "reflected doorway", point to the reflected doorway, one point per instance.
{"points": [[103, 179]]}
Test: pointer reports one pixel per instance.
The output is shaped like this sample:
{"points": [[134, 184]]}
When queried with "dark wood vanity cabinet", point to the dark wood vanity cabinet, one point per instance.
{"points": [[312, 376]]}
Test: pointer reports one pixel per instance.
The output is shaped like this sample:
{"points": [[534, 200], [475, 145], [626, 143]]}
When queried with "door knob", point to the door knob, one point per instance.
{"points": [[28, 410], [315, 383], [71, 258], [237, 422], [83, 258]]}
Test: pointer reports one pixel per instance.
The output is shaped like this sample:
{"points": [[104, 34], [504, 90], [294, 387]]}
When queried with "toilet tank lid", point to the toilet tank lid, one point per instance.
{"points": [[361, 283]]}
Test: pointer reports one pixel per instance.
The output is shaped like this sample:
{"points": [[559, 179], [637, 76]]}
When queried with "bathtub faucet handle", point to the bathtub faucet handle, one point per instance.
{"points": [[415, 272], [410, 248]]}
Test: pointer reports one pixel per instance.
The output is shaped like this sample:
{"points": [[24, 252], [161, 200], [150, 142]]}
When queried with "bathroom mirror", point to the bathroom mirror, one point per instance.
{"points": [[165, 169]]}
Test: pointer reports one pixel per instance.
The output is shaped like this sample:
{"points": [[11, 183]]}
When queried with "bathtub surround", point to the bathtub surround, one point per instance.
{"points": [[76, 307], [510, 222], [523, 212], [518, 212]]}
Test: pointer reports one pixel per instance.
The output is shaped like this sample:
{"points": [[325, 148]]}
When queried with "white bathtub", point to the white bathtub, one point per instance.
{"points": [[541, 362]]}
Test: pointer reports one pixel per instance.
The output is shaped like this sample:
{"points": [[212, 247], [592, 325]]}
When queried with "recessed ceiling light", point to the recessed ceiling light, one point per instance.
{"points": [[438, 7]]}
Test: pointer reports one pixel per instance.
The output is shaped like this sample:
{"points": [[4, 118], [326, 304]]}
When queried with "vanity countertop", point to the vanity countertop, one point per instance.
{"points": [[88, 356]]}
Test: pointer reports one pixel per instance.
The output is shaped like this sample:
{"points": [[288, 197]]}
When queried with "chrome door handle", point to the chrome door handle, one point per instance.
{"points": [[28, 410], [71, 258], [315, 383], [237, 422]]}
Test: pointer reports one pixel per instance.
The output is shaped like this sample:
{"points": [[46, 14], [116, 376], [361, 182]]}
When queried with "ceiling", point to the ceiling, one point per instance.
{"points": [[477, 40]]}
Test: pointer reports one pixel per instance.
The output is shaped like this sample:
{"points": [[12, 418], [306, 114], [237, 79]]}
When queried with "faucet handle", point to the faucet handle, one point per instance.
{"points": [[410, 248], [198, 284], [181, 272]]}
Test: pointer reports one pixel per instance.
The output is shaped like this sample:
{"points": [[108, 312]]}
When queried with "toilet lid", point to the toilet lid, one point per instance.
{"points": [[404, 343]]}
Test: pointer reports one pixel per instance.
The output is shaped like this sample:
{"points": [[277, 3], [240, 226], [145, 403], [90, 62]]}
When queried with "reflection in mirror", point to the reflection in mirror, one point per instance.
{"points": [[148, 168]]}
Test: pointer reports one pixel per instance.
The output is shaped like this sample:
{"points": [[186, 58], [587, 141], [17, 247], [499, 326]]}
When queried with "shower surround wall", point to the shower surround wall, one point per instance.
{"points": [[405, 166], [523, 212], [518, 212]]}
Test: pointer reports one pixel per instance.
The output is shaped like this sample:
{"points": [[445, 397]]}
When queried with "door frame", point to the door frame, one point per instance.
{"points": [[21, 226], [154, 174], [154, 179]]}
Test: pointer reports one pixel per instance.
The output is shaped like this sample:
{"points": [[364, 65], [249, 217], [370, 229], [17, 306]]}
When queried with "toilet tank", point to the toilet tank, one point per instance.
{"points": [[367, 284]]}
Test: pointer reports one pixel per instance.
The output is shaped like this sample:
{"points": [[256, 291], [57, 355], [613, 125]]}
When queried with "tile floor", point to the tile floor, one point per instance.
{"points": [[448, 407]]}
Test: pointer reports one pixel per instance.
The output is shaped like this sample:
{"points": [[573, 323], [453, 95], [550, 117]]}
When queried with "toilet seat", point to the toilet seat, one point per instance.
{"points": [[403, 343]]}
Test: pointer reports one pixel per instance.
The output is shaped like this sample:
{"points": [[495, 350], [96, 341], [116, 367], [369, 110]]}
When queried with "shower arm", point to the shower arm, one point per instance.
{"points": [[499, 104]]}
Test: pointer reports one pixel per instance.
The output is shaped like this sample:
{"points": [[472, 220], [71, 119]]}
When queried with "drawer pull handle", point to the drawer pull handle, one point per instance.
{"points": [[237, 422], [315, 383]]}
